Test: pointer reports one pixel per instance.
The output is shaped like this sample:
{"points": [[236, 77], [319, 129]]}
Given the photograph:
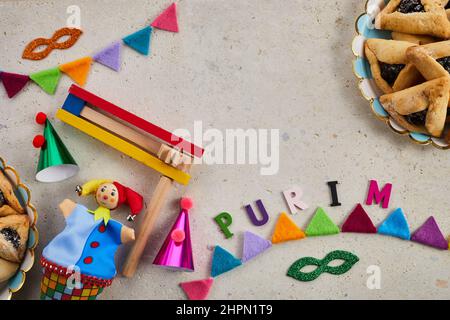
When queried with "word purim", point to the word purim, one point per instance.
{"points": [[294, 201]]}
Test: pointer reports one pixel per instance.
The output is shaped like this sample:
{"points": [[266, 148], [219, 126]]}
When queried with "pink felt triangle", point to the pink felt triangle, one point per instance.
{"points": [[197, 290], [13, 82], [358, 221], [167, 20], [430, 234]]}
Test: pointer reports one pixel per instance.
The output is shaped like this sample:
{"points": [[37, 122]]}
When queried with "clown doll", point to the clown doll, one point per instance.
{"points": [[79, 262]]}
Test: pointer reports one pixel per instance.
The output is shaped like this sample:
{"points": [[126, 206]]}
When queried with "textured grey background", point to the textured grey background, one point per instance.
{"points": [[237, 64]]}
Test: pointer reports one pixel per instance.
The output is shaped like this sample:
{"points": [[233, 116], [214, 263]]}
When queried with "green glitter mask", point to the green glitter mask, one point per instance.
{"points": [[322, 265]]}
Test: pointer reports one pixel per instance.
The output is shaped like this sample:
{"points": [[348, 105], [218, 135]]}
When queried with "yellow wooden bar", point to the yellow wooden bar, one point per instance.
{"points": [[123, 146]]}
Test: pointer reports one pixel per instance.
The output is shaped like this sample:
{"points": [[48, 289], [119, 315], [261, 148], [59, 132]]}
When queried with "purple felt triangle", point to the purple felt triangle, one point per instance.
{"points": [[110, 56], [13, 82], [430, 235], [253, 246]]}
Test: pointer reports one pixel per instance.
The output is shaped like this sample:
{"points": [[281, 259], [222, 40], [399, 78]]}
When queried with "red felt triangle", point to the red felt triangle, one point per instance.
{"points": [[13, 82], [358, 221], [167, 20], [197, 290]]}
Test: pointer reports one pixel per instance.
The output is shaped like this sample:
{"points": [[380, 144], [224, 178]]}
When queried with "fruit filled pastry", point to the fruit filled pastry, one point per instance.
{"points": [[422, 108], [413, 38], [424, 17], [432, 61], [7, 269], [389, 64], [13, 237], [9, 204]]}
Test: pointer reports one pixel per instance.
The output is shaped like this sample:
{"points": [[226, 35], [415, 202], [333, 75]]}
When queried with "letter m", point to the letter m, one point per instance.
{"points": [[380, 196]]}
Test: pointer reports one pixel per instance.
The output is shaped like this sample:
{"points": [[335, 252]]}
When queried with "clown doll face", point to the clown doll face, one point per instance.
{"points": [[107, 196]]}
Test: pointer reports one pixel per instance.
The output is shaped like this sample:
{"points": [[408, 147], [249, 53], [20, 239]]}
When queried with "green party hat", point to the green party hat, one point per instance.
{"points": [[55, 161]]}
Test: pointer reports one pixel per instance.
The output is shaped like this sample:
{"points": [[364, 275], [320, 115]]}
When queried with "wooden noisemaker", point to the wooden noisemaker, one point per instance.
{"points": [[155, 147]]}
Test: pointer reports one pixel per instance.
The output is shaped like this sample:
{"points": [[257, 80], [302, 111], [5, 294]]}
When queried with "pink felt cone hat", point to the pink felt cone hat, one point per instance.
{"points": [[176, 252]]}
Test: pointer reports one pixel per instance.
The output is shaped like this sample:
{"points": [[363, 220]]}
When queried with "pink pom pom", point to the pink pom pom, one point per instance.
{"points": [[186, 203], [41, 118], [178, 235]]}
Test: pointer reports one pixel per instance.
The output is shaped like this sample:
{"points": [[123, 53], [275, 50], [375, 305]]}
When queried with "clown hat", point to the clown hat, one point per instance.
{"points": [[55, 161], [176, 252]]}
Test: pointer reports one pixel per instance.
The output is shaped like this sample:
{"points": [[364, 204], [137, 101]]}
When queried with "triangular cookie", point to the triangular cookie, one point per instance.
{"points": [[7, 269], [13, 237], [427, 18], [8, 200], [413, 38], [430, 67], [388, 63], [431, 97]]}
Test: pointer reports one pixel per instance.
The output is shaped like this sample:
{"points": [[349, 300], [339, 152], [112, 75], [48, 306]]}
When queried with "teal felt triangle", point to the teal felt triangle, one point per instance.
{"points": [[223, 261], [395, 225], [140, 40]]}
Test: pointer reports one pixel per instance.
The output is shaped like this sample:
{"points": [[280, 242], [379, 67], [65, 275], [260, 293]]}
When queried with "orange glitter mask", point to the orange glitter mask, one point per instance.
{"points": [[52, 43]]}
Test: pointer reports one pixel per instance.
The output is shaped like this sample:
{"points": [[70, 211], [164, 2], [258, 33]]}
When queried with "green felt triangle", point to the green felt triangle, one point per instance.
{"points": [[321, 225], [48, 79]]}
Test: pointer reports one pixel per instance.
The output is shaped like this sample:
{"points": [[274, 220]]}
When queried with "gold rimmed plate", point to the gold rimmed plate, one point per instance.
{"points": [[15, 283], [365, 30]]}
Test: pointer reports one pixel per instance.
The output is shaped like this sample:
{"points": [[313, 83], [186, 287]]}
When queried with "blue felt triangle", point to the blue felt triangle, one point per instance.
{"points": [[223, 261], [395, 225], [253, 245], [140, 40]]}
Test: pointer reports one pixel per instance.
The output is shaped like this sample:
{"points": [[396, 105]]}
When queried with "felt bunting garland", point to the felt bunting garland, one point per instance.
{"points": [[321, 225], [253, 246], [358, 221], [140, 40], [167, 20], [78, 70], [48, 79], [429, 234], [110, 56], [395, 225], [223, 261], [286, 230], [13, 82], [197, 290]]}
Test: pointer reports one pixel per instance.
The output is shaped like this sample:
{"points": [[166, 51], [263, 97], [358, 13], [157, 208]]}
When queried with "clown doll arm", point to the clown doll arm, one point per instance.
{"points": [[127, 234], [67, 207]]}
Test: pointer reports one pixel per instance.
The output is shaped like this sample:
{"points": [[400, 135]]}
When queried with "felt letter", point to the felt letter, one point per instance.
{"points": [[252, 216], [293, 199], [380, 196], [224, 220], [334, 196]]}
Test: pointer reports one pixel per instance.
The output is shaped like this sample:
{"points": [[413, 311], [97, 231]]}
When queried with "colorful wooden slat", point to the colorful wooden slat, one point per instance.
{"points": [[134, 120], [123, 146]]}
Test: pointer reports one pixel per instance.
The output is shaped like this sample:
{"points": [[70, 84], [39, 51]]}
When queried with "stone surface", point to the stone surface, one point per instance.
{"points": [[236, 64]]}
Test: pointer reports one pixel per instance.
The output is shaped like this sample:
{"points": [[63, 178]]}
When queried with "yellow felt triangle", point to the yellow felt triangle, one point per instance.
{"points": [[77, 70], [286, 230]]}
